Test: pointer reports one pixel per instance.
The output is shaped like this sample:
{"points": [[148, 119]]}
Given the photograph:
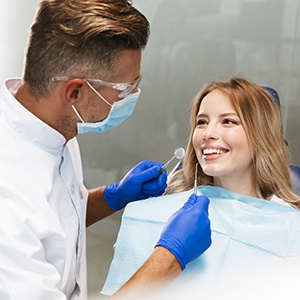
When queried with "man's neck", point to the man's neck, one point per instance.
{"points": [[50, 108]]}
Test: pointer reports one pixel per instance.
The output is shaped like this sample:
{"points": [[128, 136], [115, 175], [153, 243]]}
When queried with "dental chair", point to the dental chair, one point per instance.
{"points": [[294, 169], [295, 178]]}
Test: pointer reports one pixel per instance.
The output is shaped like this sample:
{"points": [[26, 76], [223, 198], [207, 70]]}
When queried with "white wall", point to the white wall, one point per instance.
{"points": [[192, 42], [16, 17]]}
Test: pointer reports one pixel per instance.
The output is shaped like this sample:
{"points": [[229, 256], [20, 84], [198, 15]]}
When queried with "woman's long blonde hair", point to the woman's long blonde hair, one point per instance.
{"points": [[261, 120]]}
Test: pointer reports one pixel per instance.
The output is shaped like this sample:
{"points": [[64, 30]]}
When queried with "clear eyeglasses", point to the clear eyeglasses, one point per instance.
{"points": [[124, 88]]}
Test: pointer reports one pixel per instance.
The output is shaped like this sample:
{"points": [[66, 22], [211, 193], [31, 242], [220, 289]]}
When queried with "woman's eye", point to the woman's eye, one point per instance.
{"points": [[201, 122], [229, 121]]}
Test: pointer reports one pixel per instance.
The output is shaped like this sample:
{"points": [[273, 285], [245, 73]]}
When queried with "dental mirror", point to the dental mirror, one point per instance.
{"points": [[178, 154]]}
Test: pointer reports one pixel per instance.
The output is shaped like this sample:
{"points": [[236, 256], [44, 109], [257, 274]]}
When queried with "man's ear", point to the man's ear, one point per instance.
{"points": [[73, 90]]}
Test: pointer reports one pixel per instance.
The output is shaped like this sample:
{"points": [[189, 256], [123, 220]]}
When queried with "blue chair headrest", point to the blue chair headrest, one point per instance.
{"points": [[273, 93], [295, 178]]}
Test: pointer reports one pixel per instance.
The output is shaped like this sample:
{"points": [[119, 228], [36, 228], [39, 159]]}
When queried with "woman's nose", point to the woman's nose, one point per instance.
{"points": [[211, 132]]}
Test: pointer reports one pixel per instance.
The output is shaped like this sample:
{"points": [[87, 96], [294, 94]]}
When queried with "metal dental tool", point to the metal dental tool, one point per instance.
{"points": [[196, 179], [178, 153], [177, 167]]}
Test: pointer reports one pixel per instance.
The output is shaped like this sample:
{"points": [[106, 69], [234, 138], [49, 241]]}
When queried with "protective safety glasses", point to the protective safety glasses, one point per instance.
{"points": [[124, 88]]}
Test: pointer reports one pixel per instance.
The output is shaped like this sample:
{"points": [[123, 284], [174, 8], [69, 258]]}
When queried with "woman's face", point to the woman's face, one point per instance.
{"points": [[220, 141]]}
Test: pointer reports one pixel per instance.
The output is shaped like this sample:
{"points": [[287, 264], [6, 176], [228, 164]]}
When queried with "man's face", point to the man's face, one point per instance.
{"points": [[127, 69]]}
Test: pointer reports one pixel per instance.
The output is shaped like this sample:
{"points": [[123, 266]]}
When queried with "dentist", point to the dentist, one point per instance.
{"points": [[81, 74]]}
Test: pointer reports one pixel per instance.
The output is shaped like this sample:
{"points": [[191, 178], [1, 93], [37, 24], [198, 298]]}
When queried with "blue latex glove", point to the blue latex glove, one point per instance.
{"points": [[139, 183], [187, 233]]}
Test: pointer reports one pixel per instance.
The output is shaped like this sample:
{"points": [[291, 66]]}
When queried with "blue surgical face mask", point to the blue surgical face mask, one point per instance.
{"points": [[119, 112]]}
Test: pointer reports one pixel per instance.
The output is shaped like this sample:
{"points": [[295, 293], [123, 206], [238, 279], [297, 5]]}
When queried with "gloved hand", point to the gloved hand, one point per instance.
{"points": [[139, 183], [187, 233]]}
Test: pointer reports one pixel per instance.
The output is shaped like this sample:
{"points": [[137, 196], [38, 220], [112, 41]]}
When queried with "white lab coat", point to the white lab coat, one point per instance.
{"points": [[42, 208]]}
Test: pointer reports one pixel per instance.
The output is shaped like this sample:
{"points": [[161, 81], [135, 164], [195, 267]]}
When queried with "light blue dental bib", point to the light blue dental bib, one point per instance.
{"points": [[249, 235]]}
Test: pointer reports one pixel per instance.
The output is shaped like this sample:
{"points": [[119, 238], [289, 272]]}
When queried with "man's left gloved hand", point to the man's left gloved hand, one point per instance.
{"points": [[139, 183], [187, 233]]}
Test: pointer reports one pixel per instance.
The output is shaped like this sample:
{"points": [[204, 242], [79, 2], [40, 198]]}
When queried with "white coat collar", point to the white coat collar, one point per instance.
{"points": [[26, 124]]}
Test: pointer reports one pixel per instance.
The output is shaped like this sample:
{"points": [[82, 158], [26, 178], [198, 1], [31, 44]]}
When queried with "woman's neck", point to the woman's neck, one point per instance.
{"points": [[237, 184]]}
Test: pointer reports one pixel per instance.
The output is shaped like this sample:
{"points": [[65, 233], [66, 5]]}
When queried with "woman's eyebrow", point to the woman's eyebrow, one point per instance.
{"points": [[229, 114], [222, 115]]}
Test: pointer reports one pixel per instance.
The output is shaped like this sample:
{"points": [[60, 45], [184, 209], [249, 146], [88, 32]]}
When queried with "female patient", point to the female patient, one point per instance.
{"points": [[236, 137]]}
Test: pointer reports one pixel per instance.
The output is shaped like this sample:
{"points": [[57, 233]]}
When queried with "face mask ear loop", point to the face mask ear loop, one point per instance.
{"points": [[97, 93], [77, 114]]}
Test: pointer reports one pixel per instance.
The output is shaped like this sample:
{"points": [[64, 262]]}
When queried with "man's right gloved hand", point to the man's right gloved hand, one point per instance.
{"points": [[187, 233]]}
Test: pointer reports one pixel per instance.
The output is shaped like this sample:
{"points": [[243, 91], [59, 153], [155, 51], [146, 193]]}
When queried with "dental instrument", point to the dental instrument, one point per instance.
{"points": [[196, 179], [178, 153]]}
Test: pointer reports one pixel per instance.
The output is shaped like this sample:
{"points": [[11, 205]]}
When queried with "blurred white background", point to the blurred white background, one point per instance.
{"points": [[192, 42]]}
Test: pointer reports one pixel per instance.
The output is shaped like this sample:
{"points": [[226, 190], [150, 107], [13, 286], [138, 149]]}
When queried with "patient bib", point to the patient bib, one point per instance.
{"points": [[250, 237]]}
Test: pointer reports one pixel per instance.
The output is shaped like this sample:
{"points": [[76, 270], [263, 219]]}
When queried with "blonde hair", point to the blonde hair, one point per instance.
{"points": [[261, 120], [81, 38]]}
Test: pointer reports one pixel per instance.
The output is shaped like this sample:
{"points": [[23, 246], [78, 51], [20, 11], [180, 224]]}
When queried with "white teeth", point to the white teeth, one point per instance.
{"points": [[213, 151]]}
